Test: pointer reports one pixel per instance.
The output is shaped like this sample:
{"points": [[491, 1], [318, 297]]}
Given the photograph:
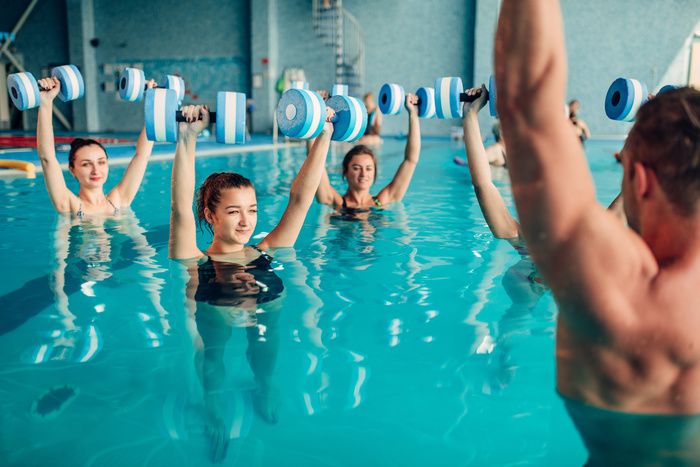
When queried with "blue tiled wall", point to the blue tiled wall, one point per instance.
{"points": [[605, 40], [206, 42], [410, 42], [413, 42], [40, 44]]}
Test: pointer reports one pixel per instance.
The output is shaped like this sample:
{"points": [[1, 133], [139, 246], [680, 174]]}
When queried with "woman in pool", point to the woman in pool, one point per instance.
{"points": [[87, 162], [231, 284], [499, 219], [360, 170]]}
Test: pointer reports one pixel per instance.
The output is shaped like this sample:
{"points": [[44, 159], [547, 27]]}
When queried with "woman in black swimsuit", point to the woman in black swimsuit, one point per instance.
{"points": [[360, 171], [231, 284]]}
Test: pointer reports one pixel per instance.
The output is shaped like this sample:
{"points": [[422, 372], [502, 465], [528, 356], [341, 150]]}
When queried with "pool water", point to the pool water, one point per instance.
{"points": [[407, 338]]}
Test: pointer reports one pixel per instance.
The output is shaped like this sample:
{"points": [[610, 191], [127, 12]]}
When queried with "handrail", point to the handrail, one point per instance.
{"points": [[343, 33]]}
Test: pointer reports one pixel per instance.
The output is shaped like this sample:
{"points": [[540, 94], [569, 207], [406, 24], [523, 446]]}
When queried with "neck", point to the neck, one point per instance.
{"points": [[92, 196], [359, 197], [221, 247], [674, 239]]}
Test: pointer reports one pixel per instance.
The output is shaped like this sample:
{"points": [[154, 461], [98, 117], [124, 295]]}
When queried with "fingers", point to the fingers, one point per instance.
{"points": [[47, 84], [192, 113], [150, 84], [330, 115], [411, 99]]}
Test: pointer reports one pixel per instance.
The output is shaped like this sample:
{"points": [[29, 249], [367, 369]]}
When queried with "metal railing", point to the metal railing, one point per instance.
{"points": [[341, 31]]}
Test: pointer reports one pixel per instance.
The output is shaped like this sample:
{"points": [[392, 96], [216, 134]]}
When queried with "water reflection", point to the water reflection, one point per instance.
{"points": [[228, 304], [86, 256]]}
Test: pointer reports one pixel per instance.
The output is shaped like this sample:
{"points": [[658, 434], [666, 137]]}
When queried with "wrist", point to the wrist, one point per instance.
{"points": [[186, 137]]}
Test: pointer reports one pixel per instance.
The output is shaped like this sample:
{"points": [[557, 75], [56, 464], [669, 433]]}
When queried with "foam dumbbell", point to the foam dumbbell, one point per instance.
{"points": [[301, 114], [162, 116], [24, 90], [132, 84], [391, 99], [449, 95], [625, 96]]}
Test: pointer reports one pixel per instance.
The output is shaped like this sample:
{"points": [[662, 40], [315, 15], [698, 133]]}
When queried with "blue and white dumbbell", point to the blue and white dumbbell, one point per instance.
{"points": [[391, 100], [625, 96], [449, 95], [162, 116], [24, 90], [132, 84], [302, 113]]}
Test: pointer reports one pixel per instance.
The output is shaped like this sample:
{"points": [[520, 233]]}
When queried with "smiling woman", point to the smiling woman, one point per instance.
{"points": [[88, 163], [360, 171], [232, 285]]}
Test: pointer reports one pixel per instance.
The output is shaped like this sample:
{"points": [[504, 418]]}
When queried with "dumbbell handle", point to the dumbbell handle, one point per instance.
{"points": [[464, 97], [181, 118]]}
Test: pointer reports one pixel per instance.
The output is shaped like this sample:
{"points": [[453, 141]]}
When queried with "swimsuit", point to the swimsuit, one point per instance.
{"points": [[370, 130], [81, 214], [347, 213], [219, 283]]}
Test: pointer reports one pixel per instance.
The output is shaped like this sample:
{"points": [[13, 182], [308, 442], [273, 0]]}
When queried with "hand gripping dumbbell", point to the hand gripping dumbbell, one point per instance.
{"points": [[391, 100], [625, 96], [449, 95], [132, 84], [162, 116], [24, 90], [302, 113]]}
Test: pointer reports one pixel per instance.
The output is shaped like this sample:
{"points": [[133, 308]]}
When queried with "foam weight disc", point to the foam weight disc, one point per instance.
{"points": [[391, 98], [624, 98], [159, 113], [72, 85], [350, 119], [132, 83], [301, 114], [175, 83], [447, 91], [230, 117], [426, 104], [23, 90]]}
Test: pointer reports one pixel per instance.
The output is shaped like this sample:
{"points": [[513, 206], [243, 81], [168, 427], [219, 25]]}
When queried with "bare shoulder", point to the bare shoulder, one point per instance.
{"points": [[604, 268]]}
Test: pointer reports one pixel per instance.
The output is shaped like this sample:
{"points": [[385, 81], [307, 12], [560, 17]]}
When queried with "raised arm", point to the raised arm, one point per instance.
{"points": [[499, 219], [61, 197], [325, 194], [131, 181], [301, 195], [396, 190], [569, 235], [183, 230]]}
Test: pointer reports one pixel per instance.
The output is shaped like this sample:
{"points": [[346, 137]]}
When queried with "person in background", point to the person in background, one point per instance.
{"points": [[579, 125], [372, 136]]}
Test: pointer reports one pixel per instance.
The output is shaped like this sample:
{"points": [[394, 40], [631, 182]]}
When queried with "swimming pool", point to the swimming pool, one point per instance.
{"points": [[405, 339]]}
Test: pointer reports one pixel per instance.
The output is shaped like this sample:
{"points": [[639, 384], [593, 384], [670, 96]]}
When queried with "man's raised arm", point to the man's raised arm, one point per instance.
{"points": [[552, 186]]}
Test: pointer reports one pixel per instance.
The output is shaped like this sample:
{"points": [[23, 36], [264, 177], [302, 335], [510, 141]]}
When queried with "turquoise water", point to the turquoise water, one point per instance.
{"points": [[406, 339]]}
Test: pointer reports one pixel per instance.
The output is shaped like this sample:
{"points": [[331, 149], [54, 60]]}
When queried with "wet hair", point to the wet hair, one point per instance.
{"points": [[209, 194], [666, 139], [78, 143], [356, 151]]}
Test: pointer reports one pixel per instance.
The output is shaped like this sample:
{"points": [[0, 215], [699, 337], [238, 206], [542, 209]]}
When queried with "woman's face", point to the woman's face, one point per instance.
{"points": [[90, 166], [360, 173], [236, 215]]}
